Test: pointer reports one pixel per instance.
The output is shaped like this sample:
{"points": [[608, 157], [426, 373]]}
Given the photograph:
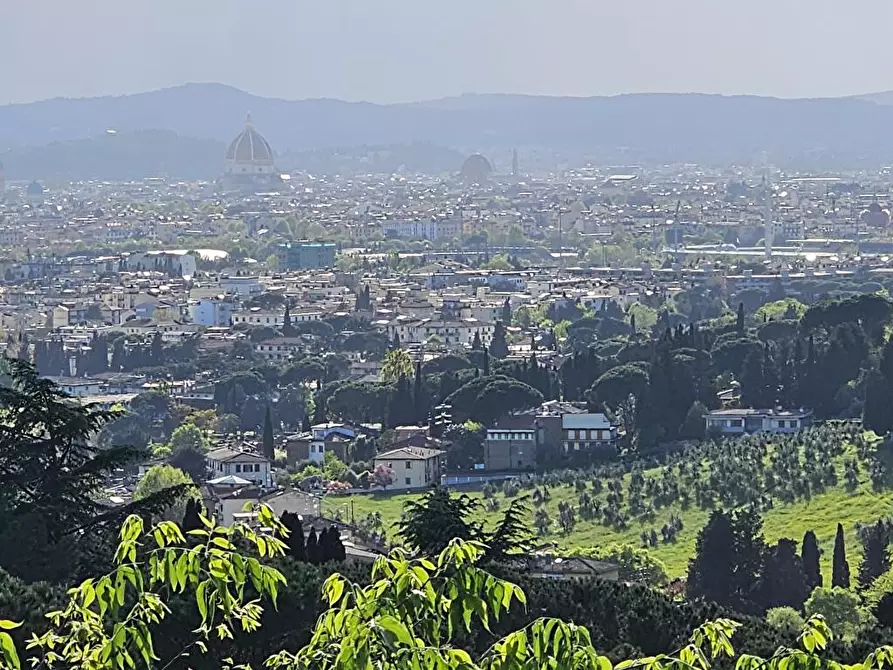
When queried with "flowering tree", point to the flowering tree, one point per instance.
{"points": [[382, 476]]}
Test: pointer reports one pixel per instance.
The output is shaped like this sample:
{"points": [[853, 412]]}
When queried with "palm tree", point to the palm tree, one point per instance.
{"points": [[397, 363]]}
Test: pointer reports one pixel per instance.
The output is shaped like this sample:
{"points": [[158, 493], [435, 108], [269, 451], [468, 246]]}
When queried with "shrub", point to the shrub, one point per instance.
{"points": [[787, 620]]}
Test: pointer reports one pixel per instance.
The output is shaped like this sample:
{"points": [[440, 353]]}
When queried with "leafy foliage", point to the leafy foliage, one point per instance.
{"points": [[414, 613]]}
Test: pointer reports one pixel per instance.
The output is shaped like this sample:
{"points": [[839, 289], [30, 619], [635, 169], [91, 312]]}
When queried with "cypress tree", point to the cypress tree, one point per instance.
{"points": [[739, 323], [400, 407], [323, 545], [295, 539], [338, 552], [840, 569], [498, 346], [753, 381], [507, 311], [418, 395], [287, 330], [876, 410], [312, 547], [305, 424], [319, 409], [809, 554], [191, 519], [476, 344], [486, 363], [875, 560], [157, 349], [268, 450]]}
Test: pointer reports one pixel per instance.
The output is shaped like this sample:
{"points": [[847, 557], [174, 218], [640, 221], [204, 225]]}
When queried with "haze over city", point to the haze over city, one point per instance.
{"points": [[405, 50], [321, 321]]}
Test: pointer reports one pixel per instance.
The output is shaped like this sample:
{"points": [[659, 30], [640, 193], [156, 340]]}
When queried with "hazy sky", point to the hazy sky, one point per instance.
{"points": [[394, 50]]}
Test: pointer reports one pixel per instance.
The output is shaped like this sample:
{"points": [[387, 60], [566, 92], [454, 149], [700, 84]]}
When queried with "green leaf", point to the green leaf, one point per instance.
{"points": [[200, 600], [460, 656], [335, 589], [400, 632], [5, 624], [222, 542], [8, 651]]}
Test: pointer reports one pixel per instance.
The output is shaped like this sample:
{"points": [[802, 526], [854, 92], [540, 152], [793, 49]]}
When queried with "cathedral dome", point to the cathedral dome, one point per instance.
{"points": [[250, 158], [250, 147], [476, 169]]}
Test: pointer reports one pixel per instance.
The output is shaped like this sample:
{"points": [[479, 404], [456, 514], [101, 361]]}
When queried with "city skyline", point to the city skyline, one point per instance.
{"points": [[398, 51]]}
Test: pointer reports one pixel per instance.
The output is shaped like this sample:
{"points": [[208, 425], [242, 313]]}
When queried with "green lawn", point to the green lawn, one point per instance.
{"points": [[820, 514]]}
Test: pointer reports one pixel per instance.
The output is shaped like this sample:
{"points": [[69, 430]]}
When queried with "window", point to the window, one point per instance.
{"points": [[238, 468], [409, 481], [409, 465], [257, 467], [736, 423], [571, 434]]}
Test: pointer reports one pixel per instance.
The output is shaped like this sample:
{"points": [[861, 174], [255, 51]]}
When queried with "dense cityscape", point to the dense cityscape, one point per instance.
{"points": [[403, 406]]}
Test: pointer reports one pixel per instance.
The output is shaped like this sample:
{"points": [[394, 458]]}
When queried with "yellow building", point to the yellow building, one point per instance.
{"points": [[413, 467]]}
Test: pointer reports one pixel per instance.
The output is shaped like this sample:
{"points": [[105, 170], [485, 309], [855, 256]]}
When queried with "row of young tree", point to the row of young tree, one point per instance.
{"points": [[38, 514]]}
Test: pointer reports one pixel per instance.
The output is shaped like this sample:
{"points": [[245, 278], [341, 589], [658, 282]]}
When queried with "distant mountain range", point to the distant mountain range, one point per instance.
{"points": [[819, 133]]}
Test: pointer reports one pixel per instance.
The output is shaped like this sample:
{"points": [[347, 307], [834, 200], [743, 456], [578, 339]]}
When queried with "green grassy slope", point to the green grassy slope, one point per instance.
{"points": [[821, 514]]}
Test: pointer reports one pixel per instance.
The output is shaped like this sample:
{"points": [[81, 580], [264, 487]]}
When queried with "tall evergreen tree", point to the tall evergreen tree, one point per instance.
{"points": [[753, 381], [305, 424], [498, 346], [875, 556], [486, 358], [430, 523], [809, 556], [877, 410], [24, 353], [323, 546], [119, 355], [419, 397], [337, 552], [319, 408], [401, 410], [507, 311], [739, 322], [287, 328], [728, 560], [513, 535], [311, 548], [886, 362], [191, 518], [783, 582], [50, 467], [157, 349], [840, 568], [632, 324], [268, 447], [476, 344], [295, 539]]}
